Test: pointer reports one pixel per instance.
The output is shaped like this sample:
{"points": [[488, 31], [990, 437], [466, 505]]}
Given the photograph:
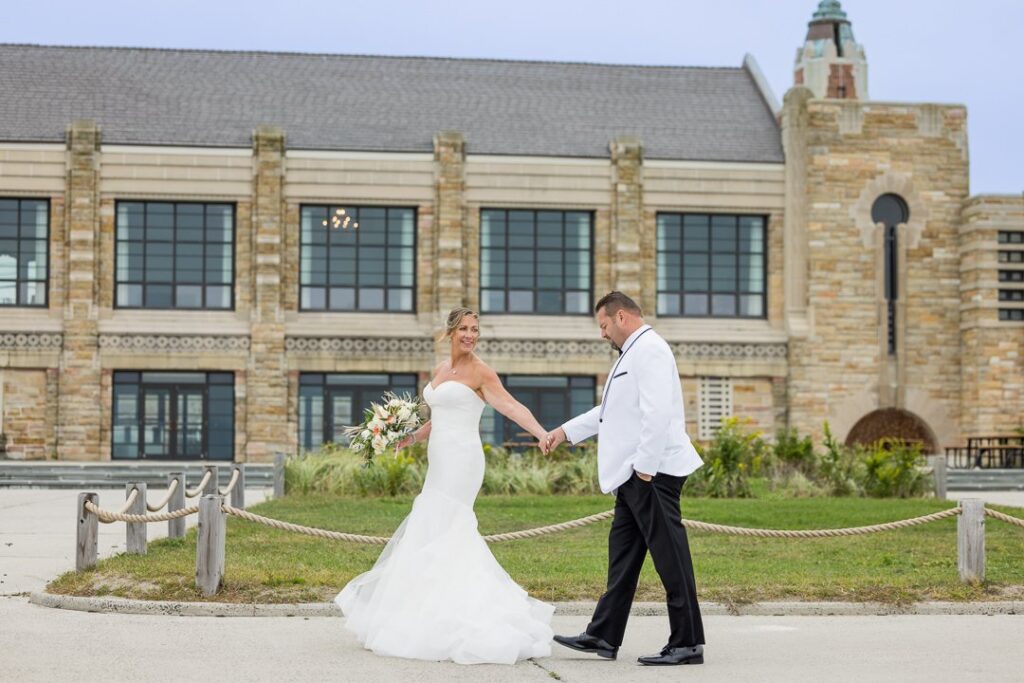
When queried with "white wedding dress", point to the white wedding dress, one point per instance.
{"points": [[436, 592]]}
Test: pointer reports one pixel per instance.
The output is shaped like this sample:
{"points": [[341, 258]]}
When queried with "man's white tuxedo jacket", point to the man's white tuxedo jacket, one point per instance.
{"points": [[640, 424]]}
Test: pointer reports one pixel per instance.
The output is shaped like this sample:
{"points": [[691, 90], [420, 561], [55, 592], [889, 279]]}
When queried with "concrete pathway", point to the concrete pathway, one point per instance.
{"points": [[40, 644]]}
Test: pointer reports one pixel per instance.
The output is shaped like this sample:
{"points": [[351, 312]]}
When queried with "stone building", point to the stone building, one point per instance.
{"points": [[223, 255]]}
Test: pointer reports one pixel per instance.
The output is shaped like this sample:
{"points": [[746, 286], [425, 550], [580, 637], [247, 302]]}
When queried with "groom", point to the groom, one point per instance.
{"points": [[644, 456]]}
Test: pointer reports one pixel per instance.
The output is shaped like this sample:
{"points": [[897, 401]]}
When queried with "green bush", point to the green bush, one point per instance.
{"points": [[841, 469], [795, 453], [334, 469], [891, 470], [730, 459]]}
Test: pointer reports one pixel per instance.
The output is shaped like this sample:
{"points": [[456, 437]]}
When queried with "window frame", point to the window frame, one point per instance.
{"points": [[327, 428], [504, 425], [173, 283], [591, 218], [737, 292], [18, 280], [119, 379], [414, 249]]}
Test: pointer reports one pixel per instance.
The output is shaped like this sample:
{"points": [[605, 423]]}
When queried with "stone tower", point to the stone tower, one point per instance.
{"points": [[831, 63], [874, 193]]}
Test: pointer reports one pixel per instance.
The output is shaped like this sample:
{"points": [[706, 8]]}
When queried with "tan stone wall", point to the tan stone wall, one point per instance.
{"points": [[24, 422], [268, 185], [856, 152], [79, 397], [992, 350]]}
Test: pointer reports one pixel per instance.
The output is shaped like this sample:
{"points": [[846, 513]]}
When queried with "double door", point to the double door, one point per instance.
{"points": [[174, 422]]}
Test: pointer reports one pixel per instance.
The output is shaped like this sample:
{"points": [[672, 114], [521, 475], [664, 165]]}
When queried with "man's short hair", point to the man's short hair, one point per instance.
{"points": [[613, 302]]}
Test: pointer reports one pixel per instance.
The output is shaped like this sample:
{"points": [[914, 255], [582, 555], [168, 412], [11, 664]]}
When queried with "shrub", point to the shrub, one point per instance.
{"points": [[842, 467], [335, 469], [730, 459], [892, 470], [795, 453]]}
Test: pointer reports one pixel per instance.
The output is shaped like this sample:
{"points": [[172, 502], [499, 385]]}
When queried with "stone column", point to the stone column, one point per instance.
{"points": [[449, 222], [267, 372], [627, 222], [794, 144], [79, 403]]}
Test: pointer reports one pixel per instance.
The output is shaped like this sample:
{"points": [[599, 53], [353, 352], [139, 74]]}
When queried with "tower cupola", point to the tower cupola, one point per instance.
{"points": [[831, 63]]}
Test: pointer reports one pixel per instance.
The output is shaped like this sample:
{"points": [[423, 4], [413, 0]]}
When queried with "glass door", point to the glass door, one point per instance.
{"points": [[188, 424], [157, 422]]}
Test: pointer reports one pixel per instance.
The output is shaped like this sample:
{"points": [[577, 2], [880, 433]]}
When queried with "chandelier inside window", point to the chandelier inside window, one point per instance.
{"points": [[340, 219]]}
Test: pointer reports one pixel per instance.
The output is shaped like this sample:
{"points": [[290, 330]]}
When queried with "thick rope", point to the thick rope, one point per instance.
{"points": [[170, 492], [129, 501], [108, 516], [583, 521], [192, 493], [308, 530], [996, 514], [821, 533], [235, 474]]}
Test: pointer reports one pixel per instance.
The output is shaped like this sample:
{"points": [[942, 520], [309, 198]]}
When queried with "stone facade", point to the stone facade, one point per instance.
{"points": [[820, 352], [842, 370], [993, 387]]}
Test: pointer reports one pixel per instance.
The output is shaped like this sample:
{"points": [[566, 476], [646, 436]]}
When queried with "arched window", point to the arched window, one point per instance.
{"points": [[890, 210]]}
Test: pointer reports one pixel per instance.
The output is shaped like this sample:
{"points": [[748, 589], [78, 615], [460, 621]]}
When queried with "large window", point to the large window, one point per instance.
{"points": [[330, 402], [174, 415], [711, 265], [357, 259], [535, 261], [24, 240], [175, 255], [551, 399]]}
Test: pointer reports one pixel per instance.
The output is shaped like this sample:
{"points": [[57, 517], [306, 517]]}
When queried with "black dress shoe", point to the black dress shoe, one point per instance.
{"points": [[670, 656], [585, 642]]}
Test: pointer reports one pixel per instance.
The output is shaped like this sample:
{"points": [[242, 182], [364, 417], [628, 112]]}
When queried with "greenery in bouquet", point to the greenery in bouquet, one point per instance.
{"points": [[384, 425]]}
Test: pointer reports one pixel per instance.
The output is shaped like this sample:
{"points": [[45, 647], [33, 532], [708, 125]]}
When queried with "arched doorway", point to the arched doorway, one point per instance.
{"points": [[894, 424]]}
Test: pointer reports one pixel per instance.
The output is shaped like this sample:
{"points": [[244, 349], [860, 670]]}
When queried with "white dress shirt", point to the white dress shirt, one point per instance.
{"points": [[640, 424]]}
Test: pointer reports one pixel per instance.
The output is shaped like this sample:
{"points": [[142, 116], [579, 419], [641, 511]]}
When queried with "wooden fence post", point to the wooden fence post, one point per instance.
{"points": [[238, 493], [211, 488], [87, 535], [938, 464], [176, 527], [279, 461], [210, 545], [135, 532], [970, 540]]}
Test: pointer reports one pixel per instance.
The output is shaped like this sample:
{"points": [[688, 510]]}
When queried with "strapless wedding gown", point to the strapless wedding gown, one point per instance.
{"points": [[436, 592]]}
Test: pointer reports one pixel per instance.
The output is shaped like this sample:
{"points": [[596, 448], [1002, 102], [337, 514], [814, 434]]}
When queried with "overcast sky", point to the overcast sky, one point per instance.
{"points": [[918, 51]]}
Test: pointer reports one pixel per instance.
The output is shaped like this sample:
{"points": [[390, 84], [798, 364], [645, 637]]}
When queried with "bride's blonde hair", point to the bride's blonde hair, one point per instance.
{"points": [[454, 319]]}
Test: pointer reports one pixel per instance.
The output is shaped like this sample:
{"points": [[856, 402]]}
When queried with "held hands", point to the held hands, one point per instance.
{"points": [[551, 440]]}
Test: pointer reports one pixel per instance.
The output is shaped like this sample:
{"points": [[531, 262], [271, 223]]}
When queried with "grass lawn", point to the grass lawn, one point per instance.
{"points": [[266, 565]]}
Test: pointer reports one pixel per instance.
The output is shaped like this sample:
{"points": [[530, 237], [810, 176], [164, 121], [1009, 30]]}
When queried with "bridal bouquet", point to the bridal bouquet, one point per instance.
{"points": [[385, 424]]}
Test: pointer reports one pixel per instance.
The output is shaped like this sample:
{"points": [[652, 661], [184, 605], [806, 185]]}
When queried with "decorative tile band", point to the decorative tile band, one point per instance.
{"points": [[730, 351], [31, 340], [149, 343], [404, 345]]}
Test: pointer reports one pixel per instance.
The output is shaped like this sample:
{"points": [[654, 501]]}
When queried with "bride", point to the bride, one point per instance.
{"points": [[436, 591]]}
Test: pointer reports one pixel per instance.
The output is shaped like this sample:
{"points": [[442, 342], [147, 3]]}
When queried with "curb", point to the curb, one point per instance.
{"points": [[575, 609]]}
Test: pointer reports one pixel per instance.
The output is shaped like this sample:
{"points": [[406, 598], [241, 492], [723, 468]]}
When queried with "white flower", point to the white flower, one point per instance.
{"points": [[379, 443], [380, 412], [403, 413], [375, 425], [357, 446], [394, 403], [366, 434]]}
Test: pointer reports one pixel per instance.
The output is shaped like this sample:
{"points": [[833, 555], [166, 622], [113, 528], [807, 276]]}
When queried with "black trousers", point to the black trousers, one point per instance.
{"points": [[647, 517]]}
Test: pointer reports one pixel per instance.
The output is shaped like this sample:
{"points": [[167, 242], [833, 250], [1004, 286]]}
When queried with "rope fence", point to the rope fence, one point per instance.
{"points": [[213, 510]]}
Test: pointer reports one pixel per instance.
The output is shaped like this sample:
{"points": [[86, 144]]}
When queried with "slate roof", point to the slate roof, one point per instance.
{"points": [[344, 102]]}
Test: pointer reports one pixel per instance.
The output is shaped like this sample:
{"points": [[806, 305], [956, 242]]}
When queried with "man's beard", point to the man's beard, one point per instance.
{"points": [[615, 347]]}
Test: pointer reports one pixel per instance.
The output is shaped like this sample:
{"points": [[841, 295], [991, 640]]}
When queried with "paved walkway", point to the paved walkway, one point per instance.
{"points": [[40, 644]]}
